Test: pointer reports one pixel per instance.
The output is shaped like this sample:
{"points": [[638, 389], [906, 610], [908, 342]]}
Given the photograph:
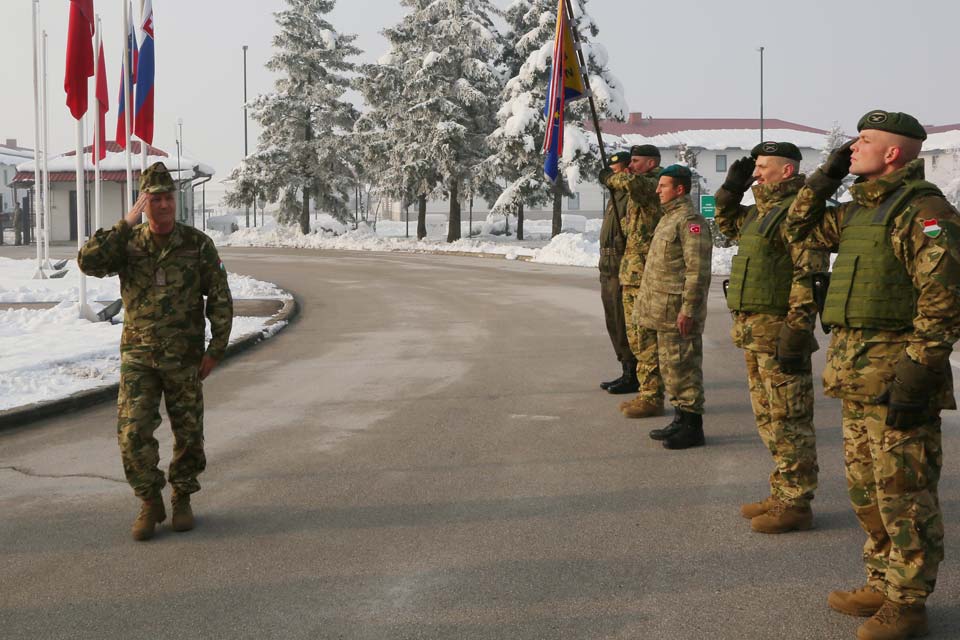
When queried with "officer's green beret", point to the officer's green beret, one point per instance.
{"points": [[645, 151], [677, 171], [902, 124], [780, 149], [618, 157], [156, 179]]}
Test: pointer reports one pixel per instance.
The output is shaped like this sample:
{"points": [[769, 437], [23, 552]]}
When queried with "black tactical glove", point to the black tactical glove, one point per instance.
{"points": [[793, 350], [908, 397], [740, 175], [837, 165], [605, 174]]}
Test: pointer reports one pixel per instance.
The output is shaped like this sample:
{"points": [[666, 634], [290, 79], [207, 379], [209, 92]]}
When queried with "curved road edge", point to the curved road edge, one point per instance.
{"points": [[20, 416]]}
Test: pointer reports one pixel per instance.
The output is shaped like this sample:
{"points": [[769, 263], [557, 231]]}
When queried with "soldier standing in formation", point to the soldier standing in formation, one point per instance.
{"points": [[612, 245], [166, 268], [894, 304], [771, 298], [643, 214], [673, 302]]}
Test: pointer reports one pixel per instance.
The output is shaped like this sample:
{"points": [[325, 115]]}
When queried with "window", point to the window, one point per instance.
{"points": [[573, 202], [721, 163]]}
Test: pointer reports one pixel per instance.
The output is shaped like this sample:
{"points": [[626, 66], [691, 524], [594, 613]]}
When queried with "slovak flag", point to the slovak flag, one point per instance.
{"points": [[566, 85], [144, 104], [122, 101]]}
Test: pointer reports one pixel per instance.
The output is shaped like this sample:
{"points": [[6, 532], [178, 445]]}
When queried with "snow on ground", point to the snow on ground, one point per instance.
{"points": [[578, 245], [51, 353]]}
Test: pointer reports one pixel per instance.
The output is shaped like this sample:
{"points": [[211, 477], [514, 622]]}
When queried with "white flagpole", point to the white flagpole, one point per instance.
{"points": [[143, 145], [37, 187], [96, 129], [127, 99], [85, 312], [46, 156]]}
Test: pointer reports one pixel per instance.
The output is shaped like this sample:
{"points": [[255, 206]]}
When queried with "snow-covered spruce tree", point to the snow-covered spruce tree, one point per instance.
{"points": [[387, 134], [449, 95], [519, 138], [305, 123]]}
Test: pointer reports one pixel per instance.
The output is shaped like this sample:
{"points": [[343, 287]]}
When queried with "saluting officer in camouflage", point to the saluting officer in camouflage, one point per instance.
{"points": [[643, 214], [771, 298], [894, 304], [612, 246], [673, 302], [166, 269]]}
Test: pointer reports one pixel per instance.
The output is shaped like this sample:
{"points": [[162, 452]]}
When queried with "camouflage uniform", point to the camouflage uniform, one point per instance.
{"points": [[643, 214], [782, 403], [676, 279], [612, 245], [892, 474], [163, 291]]}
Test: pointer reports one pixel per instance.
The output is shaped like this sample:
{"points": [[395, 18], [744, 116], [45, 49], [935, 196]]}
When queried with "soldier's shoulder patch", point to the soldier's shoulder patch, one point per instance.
{"points": [[694, 227], [932, 228]]}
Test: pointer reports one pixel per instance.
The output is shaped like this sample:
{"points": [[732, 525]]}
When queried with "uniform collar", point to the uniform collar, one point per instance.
{"points": [[871, 193], [769, 195], [683, 203]]}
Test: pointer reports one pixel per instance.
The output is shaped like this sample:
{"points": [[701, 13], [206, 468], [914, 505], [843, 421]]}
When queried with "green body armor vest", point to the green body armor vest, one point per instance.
{"points": [[761, 272], [870, 288]]}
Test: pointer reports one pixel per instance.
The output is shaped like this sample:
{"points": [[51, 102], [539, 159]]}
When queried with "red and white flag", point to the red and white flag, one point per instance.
{"points": [[103, 102], [79, 56]]}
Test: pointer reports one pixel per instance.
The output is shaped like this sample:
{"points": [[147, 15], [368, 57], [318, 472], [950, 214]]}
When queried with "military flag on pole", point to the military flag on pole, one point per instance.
{"points": [[566, 85]]}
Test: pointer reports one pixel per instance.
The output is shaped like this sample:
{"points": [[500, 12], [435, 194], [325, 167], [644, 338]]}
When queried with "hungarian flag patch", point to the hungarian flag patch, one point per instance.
{"points": [[932, 228], [695, 228]]}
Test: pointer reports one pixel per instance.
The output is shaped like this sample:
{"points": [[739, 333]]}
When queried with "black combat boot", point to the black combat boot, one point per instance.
{"points": [[610, 383], [690, 433], [628, 382], [672, 428]]}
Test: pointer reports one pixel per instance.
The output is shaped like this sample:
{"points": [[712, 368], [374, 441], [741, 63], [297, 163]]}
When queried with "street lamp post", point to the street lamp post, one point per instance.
{"points": [[245, 151], [761, 92], [179, 169]]}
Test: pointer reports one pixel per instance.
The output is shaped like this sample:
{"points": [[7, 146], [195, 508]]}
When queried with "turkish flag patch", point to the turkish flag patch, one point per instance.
{"points": [[694, 228]]}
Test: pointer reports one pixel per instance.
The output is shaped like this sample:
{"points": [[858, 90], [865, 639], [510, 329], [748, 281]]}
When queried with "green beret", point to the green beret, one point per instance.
{"points": [[618, 157], [156, 179], [677, 171], [780, 149], [902, 124], [645, 151]]}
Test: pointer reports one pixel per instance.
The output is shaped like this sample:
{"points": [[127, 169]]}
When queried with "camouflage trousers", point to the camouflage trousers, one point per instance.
{"points": [[681, 363], [783, 409], [142, 382], [612, 299], [643, 344], [892, 478]]}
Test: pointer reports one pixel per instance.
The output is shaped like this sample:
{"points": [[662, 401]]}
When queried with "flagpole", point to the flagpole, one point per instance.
{"points": [[143, 144], [37, 186], [127, 99], [96, 129], [46, 157], [593, 107]]}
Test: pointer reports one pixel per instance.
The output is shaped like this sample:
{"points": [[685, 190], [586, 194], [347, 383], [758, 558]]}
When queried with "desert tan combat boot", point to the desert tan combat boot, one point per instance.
{"points": [[643, 409], [182, 513], [151, 514], [862, 602], [626, 403], [753, 509], [781, 518], [895, 621]]}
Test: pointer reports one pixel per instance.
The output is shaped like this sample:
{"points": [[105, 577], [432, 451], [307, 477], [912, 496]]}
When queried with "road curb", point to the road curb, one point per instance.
{"points": [[20, 416]]}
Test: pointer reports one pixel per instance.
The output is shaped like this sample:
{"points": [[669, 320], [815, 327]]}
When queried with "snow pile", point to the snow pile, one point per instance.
{"points": [[52, 353], [570, 248]]}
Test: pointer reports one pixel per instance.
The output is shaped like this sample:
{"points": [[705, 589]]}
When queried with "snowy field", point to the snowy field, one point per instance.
{"points": [[578, 245], [50, 353]]}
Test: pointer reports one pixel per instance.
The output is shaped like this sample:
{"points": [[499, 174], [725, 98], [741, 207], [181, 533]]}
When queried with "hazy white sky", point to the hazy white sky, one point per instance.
{"points": [[824, 61]]}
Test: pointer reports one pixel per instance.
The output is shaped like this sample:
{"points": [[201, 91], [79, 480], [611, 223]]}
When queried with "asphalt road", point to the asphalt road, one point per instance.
{"points": [[425, 453]]}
